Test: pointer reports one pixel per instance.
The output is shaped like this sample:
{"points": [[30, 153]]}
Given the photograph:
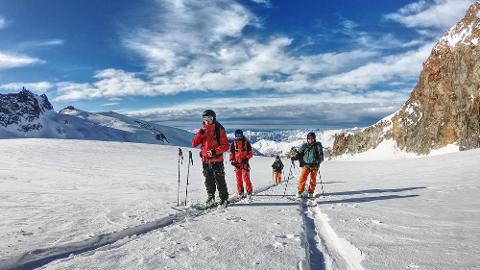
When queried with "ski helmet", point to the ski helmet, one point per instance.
{"points": [[311, 134], [238, 134], [210, 113]]}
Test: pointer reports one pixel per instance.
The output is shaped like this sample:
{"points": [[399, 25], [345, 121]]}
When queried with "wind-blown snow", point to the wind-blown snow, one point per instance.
{"points": [[396, 214]]}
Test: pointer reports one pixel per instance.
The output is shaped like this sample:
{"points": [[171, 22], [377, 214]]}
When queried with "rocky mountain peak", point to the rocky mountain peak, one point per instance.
{"points": [[466, 32], [23, 110], [444, 107]]}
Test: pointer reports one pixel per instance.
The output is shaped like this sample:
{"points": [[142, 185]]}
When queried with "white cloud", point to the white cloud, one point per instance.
{"points": [[263, 2], [41, 43], [334, 108], [400, 67], [38, 87], [440, 14], [11, 60], [196, 46], [3, 22]]}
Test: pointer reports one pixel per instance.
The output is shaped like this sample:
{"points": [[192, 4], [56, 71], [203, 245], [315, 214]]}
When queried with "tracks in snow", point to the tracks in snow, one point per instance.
{"points": [[39, 257], [323, 248], [337, 253]]}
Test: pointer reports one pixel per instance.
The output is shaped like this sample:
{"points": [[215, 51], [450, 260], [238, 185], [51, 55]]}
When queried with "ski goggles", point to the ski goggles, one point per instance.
{"points": [[207, 118]]}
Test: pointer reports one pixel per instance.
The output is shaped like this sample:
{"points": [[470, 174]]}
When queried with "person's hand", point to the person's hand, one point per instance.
{"points": [[244, 160], [201, 131], [212, 153], [233, 162]]}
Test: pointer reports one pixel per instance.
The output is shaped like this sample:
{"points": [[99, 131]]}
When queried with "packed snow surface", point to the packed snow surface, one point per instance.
{"points": [[109, 204]]}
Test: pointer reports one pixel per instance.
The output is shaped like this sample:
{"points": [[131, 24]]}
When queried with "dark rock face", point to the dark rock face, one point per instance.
{"points": [[23, 110], [444, 107]]}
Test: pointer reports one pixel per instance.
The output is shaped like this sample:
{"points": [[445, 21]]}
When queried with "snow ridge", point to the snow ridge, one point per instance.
{"points": [[338, 252]]}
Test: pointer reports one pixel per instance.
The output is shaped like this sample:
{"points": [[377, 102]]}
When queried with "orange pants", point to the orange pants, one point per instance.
{"points": [[278, 177], [243, 175], [303, 179]]}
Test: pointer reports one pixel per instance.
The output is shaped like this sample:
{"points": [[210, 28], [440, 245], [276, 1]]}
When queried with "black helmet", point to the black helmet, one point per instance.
{"points": [[238, 134], [277, 157], [210, 113], [311, 134]]}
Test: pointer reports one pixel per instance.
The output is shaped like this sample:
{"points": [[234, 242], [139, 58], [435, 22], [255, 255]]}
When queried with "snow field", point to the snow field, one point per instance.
{"points": [[393, 214]]}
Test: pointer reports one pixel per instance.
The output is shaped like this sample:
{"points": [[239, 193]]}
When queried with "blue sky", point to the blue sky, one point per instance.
{"points": [[258, 63]]}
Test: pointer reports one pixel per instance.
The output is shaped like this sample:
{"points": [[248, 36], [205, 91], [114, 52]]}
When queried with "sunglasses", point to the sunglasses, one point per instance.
{"points": [[207, 118]]}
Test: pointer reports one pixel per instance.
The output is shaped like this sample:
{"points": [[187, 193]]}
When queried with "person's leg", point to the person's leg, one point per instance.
{"points": [[313, 180], [302, 179], [278, 177], [246, 178], [219, 172], [238, 175], [209, 180]]}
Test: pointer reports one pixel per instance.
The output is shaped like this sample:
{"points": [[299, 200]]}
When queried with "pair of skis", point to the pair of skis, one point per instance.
{"points": [[180, 162]]}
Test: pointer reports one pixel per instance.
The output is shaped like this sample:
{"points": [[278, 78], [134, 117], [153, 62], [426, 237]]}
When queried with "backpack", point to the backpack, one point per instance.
{"points": [[316, 153]]}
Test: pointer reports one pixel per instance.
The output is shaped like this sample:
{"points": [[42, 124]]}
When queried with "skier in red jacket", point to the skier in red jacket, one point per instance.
{"points": [[240, 154], [214, 142]]}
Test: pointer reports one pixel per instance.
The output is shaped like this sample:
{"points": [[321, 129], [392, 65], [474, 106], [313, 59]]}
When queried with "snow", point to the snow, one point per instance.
{"points": [[388, 150], [110, 204], [280, 142], [106, 126]]}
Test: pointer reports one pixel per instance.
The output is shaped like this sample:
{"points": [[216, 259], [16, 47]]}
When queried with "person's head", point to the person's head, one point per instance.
{"points": [[311, 137], [238, 135], [277, 157], [208, 116]]}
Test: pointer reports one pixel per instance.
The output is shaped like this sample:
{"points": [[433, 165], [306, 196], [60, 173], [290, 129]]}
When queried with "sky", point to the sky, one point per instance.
{"points": [[258, 63]]}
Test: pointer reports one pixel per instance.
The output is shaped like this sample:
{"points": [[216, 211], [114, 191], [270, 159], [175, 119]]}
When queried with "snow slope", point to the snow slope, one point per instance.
{"points": [[72, 123], [110, 204]]}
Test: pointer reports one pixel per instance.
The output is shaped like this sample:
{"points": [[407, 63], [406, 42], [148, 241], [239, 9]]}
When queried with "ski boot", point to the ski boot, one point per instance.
{"points": [[223, 203], [210, 202]]}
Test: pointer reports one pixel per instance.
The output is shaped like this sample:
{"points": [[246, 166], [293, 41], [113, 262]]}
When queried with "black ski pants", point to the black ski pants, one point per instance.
{"points": [[215, 179]]}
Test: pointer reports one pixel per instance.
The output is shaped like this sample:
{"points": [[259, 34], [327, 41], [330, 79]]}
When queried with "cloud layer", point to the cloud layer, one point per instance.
{"points": [[440, 14], [13, 60]]}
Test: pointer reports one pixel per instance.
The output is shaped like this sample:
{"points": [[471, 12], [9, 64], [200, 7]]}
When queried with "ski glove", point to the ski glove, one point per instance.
{"points": [[212, 152], [202, 131], [244, 160]]}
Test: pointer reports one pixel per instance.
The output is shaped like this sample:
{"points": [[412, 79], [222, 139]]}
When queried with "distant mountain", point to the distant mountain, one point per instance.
{"points": [[272, 143], [26, 115], [444, 108]]}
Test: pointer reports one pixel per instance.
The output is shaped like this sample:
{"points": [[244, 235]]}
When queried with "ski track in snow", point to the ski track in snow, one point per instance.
{"points": [[39, 257], [323, 248], [338, 252]]}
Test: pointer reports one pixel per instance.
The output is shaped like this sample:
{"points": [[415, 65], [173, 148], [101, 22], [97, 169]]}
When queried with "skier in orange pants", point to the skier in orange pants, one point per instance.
{"points": [[310, 155], [277, 170]]}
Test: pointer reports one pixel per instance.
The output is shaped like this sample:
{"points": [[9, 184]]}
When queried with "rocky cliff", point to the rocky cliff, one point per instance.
{"points": [[444, 107], [23, 110]]}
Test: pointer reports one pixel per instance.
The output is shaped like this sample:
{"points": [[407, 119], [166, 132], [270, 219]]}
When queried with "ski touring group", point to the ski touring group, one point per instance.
{"points": [[213, 142]]}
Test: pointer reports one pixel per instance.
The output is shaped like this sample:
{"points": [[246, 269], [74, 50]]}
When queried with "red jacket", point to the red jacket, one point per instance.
{"points": [[239, 150], [209, 142]]}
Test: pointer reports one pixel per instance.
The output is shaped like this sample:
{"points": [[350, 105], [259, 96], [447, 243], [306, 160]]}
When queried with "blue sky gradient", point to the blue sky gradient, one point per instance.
{"points": [[286, 64]]}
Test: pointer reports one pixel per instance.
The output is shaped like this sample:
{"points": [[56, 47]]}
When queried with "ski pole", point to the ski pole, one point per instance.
{"points": [[180, 161], [321, 181], [190, 160], [292, 164]]}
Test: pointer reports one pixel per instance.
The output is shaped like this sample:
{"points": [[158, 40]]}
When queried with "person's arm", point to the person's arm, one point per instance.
{"points": [[224, 145], [249, 150], [197, 140], [232, 151]]}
